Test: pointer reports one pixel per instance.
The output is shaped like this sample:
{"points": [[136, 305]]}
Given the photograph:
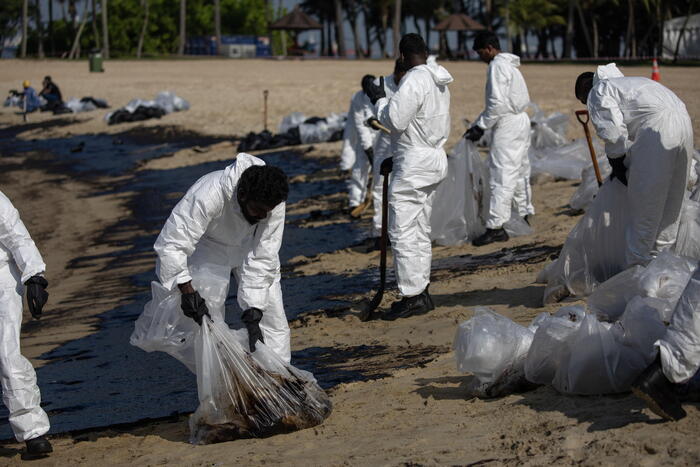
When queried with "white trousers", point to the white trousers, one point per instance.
{"points": [[658, 165], [359, 177], [409, 232], [680, 347], [20, 392], [509, 170]]}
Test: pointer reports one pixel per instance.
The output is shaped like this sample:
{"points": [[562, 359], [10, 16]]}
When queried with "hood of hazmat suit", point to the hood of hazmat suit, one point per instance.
{"points": [[645, 121], [418, 116], [19, 260], [506, 92], [208, 226], [356, 136]]}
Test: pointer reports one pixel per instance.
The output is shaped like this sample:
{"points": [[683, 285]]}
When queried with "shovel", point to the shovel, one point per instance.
{"points": [[360, 208], [367, 312], [580, 117]]}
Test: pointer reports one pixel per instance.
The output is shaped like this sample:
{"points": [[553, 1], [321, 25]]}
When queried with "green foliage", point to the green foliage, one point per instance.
{"points": [[10, 18], [533, 15]]}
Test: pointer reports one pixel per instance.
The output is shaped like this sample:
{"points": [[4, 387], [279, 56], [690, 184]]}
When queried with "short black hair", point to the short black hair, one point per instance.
{"points": [[584, 83], [47, 78], [400, 66], [265, 184], [367, 80], [412, 44], [485, 38]]}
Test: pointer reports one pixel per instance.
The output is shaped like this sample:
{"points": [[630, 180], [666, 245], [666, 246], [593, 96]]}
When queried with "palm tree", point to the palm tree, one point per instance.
{"points": [[534, 16], [396, 26], [217, 24], [25, 18], [95, 32], [144, 27], [339, 33], [105, 30], [183, 32], [39, 30]]}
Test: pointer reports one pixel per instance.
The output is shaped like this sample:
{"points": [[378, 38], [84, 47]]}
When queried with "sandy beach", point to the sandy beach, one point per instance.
{"points": [[398, 398]]}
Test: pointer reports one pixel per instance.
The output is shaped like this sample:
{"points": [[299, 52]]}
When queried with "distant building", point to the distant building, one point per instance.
{"points": [[231, 46], [689, 46]]}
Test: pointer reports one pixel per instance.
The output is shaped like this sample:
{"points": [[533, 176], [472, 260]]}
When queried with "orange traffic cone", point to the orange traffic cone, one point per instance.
{"points": [[655, 74]]}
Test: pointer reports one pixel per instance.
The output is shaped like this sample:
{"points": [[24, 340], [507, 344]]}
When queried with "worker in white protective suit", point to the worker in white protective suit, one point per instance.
{"points": [[231, 220], [21, 270], [509, 165], [679, 356], [418, 115], [358, 146], [649, 142], [382, 147]]}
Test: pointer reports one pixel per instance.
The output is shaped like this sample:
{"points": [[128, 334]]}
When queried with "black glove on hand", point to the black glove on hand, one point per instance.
{"points": [[370, 123], [474, 133], [619, 170], [194, 306], [370, 155], [387, 166], [36, 295], [373, 91], [251, 318]]}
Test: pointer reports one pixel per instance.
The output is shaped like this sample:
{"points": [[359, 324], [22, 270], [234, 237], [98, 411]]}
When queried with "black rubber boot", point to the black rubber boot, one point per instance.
{"points": [[410, 306], [658, 392], [491, 236], [38, 447]]}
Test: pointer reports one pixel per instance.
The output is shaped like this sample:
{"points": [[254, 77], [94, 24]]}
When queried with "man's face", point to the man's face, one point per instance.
{"points": [[487, 53], [255, 211]]}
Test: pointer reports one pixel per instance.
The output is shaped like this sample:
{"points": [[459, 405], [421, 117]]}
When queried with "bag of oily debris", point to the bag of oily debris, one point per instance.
{"points": [[594, 250], [588, 189], [577, 353], [493, 348], [243, 394]]}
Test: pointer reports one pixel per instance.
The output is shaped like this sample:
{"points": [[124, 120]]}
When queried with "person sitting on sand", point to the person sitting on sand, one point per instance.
{"points": [[21, 270], [30, 99], [51, 94]]}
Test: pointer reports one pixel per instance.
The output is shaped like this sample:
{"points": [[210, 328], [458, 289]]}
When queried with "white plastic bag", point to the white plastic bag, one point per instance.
{"points": [[245, 395], [290, 121], [594, 250], [588, 189], [565, 161], [549, 131], [688, 240]]}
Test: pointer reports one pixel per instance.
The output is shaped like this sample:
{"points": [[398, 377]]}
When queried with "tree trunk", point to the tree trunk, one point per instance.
{"points": [[95, 32], [339, 29], [368, 33], [352, 18], [139, 49], [396, 27], [183, 26], [569, 38], [52, 47], [488, 13], [427, 32], [629, 35], [509, 40], [586, 34], [75, 50], [40, 31], [105, 30], [595, 37], [382, 32], [682, 32], [217, 25], [25, 19]]}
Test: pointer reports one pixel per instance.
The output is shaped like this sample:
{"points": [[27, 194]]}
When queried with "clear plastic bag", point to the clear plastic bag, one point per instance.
{"points": [[489, 345], [588, 189], [245, 395], [688, 240], [565, 161], [549, 131], [594, 250]]}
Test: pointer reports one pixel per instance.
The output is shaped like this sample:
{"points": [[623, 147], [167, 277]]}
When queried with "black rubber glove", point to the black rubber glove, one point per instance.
{"points": [[370, 123], [36, 295], [373, 91], [387, 166], [194, 306], [474, 133], [370, 155], [251, 318], [619, 170]]}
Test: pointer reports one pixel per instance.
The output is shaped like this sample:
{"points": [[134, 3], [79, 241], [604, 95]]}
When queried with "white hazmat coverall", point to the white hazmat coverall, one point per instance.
{"points": [[19, 260], [644, 120], [207, 231], [382, 150], [506, 100], [358, 138], [418, 115], [680, 346]]}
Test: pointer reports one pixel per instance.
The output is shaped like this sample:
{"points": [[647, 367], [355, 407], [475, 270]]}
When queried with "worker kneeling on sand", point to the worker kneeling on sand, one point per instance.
{"points": [[382, 146], [509, 165], [21, 269], [418, 115], [358, 142], [231, 220], [649, 142]]}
